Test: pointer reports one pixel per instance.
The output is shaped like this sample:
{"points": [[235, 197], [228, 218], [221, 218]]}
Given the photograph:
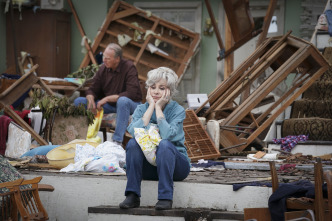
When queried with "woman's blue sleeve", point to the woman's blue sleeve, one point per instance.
{"points": [[172, 128], [136, 121]]}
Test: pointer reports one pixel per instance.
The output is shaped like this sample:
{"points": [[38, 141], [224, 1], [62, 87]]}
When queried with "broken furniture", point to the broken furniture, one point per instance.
{"points": [[154, 42], [311, 115], [271, 63], [12, 93], [65, 86], [22, 197], [319, 205], [8, 206], [198, 142], [241, 24]]}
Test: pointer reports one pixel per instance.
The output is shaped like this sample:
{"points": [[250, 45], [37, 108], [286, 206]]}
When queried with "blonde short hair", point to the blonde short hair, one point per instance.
{"points": [[165, 73]]}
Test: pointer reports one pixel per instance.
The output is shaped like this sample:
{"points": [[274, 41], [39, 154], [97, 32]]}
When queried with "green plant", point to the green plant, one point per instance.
{"points": [[49, 104], [86, 72]]}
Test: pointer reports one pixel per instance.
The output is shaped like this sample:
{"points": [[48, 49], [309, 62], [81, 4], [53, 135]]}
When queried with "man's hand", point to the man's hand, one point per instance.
{"points": [[91, 103], [164, 99], [111, 99], [101, 103]]}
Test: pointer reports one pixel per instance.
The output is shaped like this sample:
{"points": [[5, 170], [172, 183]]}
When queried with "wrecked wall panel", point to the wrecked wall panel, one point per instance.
{"points": [[148, 40]]}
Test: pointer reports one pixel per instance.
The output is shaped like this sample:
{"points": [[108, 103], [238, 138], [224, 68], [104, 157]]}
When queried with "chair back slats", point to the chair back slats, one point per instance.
{"points": [[8, 206], [24, 195]]}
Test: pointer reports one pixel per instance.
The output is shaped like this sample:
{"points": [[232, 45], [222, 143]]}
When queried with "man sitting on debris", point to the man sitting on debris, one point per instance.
{"points": [[115, 88], [172, 161]]}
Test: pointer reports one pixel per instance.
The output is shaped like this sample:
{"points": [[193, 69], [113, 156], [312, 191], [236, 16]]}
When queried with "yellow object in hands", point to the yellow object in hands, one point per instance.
{"points": [[94, 128], [148, 140]]}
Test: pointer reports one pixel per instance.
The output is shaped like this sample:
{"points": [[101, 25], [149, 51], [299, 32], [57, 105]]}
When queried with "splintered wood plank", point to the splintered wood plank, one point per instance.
{"points": [[267, 22], [125, 13], [16, 90], [259, 214], [100, 34]]}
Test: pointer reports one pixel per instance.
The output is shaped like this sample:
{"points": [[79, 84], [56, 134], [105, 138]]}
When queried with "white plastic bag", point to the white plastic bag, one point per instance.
{"points": [[148, 140], [106, 157], [83, 152], [105, 164]]}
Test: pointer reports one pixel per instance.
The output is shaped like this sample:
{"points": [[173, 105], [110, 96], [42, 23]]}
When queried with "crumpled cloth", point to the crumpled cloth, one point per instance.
{"points": [[289, 142], [22, 114], [238, 186], [148, 140], [4, 123], [300, 188], [106, 157], [208, 163], [286, 167]]}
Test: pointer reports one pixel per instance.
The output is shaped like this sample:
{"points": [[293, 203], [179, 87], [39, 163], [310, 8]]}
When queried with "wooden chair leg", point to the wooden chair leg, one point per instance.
{"points": [[319, 200], [274, 175], [328, 178]]}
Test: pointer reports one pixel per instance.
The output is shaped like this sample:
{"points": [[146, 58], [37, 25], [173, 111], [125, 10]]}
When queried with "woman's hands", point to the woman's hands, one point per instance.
{"points": [[149, 98], [158, 106], [164, 99], [161, 103]]}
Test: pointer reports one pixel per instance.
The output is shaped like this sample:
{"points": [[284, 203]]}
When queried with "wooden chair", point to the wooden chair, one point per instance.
{"points": [[8, 207], [319, 205], [24, 199]]}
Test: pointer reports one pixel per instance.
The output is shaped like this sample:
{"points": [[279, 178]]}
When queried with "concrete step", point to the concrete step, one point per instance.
{"points": [[105, 213], [75, 193]]}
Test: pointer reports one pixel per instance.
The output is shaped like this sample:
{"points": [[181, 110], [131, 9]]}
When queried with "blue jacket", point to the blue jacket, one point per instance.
{"points": [[170, 128]]}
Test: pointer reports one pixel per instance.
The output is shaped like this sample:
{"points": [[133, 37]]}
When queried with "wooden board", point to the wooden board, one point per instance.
{"points": [[177, 43], [259, 214]]}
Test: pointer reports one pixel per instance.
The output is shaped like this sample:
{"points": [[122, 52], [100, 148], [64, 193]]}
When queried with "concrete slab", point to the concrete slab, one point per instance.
{"points": [[306, 148], [73, 195]]}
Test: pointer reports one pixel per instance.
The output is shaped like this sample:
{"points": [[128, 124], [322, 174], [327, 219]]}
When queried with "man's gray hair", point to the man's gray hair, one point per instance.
{"points": [[165, 73], [116, 48]]}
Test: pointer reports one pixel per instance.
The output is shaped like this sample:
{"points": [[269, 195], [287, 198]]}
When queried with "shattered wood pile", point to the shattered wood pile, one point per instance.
{"points": [[153, 42], [271, 63], [15, 91]]}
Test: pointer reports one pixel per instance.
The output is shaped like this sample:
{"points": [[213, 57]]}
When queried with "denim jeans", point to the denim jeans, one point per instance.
{"points": [[171, 166], [123, 109]]}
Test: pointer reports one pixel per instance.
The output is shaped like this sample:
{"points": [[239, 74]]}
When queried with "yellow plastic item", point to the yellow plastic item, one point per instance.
{"points": [[94, 128], [62, 156]]}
